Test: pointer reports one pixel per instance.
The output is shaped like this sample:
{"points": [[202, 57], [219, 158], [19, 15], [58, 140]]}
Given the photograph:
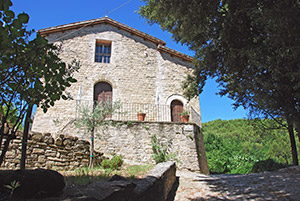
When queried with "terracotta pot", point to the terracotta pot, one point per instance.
{"points": [[185, 118], [141, 116]]}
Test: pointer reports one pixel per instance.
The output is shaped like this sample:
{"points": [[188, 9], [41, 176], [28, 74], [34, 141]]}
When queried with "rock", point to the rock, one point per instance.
{"points": [[49, 140], [59, 141], [38, 151], [38, 137], [37, 183]]}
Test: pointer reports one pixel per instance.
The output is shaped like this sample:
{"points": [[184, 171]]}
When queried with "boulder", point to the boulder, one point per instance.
{"points": [[38, 183]]}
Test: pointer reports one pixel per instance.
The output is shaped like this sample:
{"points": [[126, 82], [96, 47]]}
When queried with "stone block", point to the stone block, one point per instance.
{"points": [[49, 140], [50, 153], [38, 151], [38, 137], [42, 159], [59, 141]]}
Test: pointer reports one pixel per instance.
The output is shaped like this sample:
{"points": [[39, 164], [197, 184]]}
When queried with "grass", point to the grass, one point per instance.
{"points": [[84, 175]]}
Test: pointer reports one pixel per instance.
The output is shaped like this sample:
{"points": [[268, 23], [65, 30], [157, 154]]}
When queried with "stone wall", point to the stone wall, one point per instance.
{"points": [[159, 184], [138, 72], [43, 151], [132, 140]]}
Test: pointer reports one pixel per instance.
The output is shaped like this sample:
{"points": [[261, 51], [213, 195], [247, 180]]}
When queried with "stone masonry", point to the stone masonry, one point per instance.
{"points": [[44, 151], [142, 70], [133, 141]]}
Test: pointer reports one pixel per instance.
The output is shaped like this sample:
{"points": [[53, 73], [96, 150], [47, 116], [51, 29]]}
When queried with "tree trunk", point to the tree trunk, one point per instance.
{"points": [[91, 164], [293, 143], [298, 131], [6, 145], [25, 137]]}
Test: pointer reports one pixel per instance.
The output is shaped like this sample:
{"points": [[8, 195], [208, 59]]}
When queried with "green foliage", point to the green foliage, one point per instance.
{"points": [[184, 113], [161, 150], [91, 118], [250, 47], [12, 113], [12, 187], [114, 164], [236, 146], [31, 72], [138, 170]]}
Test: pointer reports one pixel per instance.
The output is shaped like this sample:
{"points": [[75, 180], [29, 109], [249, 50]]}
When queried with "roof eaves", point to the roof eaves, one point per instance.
{"points": [[175, 53], [104, 20]]}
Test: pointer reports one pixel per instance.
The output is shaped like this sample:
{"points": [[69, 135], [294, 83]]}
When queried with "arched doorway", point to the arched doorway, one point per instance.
{"points": [[103, 92], [176, 109]]}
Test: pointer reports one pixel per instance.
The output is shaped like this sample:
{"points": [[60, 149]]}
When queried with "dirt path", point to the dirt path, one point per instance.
{"points": [[284, 185]]}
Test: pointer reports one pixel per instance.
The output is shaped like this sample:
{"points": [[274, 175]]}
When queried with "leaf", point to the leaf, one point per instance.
{"points": [[10, 14], [5, 4], [64, 97], [17, 24], [23, 17], [52, 103], [72, 80]]}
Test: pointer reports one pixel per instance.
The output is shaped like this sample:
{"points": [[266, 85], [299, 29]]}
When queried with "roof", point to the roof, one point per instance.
{"points": [[106, 20]]}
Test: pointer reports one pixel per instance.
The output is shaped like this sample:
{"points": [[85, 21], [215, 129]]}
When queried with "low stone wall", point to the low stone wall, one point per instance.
{"points": [[44, 151], [159, 184]]}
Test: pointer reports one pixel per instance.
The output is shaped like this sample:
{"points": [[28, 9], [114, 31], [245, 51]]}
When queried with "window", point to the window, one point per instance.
{"points": [[103, 51]]}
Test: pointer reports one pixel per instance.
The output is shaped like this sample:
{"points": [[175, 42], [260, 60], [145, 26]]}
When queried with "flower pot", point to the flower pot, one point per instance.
{"points": [[141, 116], [185, 118]]}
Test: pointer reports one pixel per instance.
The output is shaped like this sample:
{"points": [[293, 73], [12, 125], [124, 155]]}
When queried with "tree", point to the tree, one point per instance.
{"points": [[251, 48], [31, 73], [91, 118]]}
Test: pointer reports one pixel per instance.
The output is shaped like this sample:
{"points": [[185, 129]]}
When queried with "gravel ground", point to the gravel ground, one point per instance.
{"points": [[282, 185]]}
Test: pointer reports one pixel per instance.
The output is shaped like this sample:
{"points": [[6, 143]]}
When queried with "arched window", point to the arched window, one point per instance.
{"points": [[103, 92], [176, 109]]}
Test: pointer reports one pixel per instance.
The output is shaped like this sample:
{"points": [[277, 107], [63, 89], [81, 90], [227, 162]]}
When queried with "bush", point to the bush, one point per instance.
{"points": [[161, 151], [115, 163], [244, 146]]}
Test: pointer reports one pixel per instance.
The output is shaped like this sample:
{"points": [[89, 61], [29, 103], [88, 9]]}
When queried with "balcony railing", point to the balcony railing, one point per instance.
{"points": [[154, 112]]}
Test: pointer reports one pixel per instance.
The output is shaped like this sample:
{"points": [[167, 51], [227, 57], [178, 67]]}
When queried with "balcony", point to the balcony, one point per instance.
{"points": [[154, 112]]}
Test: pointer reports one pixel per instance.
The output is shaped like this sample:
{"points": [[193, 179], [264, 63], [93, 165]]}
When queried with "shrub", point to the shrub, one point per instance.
{"points": [[161, 151], [115, 163]]}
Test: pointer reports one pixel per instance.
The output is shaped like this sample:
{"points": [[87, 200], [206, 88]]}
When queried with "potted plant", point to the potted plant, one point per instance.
{"points": [[141, 116], [184, 116]]}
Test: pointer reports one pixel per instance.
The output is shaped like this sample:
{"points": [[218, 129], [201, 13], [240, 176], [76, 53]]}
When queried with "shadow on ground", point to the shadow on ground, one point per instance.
{"points": [[258, 186]]}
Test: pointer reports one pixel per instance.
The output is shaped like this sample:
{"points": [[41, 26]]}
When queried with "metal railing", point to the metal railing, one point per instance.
{"points": [[154, 112]]}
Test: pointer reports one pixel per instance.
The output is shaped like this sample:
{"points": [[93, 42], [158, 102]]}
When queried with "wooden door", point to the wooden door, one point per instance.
{"points": [[103, 92], [176, 109]]}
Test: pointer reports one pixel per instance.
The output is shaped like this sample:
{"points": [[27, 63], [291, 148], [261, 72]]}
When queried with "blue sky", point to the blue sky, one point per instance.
{"points": [[45, 14]]}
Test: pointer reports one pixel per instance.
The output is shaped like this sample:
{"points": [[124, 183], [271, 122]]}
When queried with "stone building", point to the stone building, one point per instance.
{"points": [[123, 64]]}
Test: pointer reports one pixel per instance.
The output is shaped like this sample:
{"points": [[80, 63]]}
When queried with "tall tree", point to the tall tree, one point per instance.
{"points": [[251, 48], [31, 73]]}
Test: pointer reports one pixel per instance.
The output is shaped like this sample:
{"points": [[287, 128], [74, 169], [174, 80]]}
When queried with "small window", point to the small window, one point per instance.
{"points": [[103, 51]]}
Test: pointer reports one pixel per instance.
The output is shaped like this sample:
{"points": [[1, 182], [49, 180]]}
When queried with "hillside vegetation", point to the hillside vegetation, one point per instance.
{"points": [[245, 146]]}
